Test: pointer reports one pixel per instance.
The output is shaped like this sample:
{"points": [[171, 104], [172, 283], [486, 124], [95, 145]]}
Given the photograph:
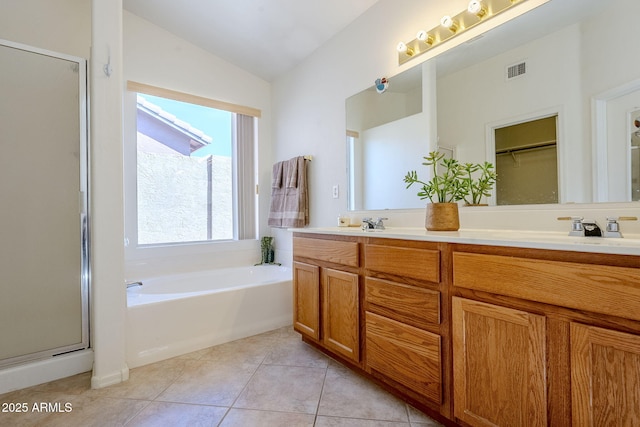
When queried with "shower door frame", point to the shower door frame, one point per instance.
{"points": [[84, 217]]}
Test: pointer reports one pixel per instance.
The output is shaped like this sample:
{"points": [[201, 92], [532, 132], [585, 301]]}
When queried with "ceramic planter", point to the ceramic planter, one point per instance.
{"points": [[442, 217]]}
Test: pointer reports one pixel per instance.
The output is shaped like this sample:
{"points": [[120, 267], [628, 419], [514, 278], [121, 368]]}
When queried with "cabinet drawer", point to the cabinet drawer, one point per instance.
{"points": [[422, 264], [597, 288], [409, 304], [405, 354], [336, 251]]}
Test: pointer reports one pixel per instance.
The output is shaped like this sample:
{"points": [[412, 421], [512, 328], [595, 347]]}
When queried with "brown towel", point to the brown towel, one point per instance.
{"points": [[290, 202]]}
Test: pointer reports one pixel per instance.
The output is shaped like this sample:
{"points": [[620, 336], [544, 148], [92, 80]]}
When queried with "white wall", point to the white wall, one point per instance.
{"points": [[59, 25], [156, 57]]}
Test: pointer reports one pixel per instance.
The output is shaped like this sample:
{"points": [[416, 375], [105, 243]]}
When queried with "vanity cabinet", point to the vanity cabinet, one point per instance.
{"points": [[545, 337], [326, 294], [403, 345], [498, 365], [478, 335], [605, 376]]}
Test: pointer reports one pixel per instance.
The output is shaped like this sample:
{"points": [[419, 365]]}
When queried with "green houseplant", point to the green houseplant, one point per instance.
{"points": [[447, 184], [481, 185], [444, 189], [450, 183]]}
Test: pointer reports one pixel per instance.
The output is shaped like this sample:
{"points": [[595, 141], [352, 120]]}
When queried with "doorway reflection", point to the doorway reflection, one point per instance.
{"points": [[527, 162]]}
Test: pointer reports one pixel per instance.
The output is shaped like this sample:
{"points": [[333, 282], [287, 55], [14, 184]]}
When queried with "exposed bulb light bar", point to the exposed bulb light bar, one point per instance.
{"points": [[477, 11]]}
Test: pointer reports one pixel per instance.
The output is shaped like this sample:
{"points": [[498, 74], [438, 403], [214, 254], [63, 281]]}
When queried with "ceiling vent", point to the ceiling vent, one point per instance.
{"points": [[516, 70]]}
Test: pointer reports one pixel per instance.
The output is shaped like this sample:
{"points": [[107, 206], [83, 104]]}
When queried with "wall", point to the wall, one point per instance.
{"points": [[156, 57], [59, 25]]}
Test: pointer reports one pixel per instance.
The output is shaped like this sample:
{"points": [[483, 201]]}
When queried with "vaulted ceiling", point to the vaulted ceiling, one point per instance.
{"points": [[263, 37]]}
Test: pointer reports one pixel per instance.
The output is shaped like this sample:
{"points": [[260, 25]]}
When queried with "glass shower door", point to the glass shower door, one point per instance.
{"points": [[43, 204]]}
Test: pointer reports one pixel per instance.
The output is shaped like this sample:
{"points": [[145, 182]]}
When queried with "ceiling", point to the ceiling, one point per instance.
{"points": [[264, 37]]}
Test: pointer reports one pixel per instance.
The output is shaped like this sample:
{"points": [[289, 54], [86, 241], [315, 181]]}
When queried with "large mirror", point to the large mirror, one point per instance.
{"points": [[581, 72]]}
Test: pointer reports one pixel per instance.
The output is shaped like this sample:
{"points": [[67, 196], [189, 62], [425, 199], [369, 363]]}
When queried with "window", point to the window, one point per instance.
{"points": [[195, 174]]}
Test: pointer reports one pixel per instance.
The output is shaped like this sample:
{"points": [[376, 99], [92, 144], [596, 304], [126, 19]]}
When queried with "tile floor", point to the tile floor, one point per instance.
{"points": [[271, 379]]}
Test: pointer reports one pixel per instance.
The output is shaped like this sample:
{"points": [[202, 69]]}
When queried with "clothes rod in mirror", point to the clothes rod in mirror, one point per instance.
{"points": [[450, 26]]}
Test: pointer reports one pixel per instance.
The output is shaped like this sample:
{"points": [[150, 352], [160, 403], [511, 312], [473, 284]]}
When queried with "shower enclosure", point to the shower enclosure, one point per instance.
{"points": [[44, 268]]}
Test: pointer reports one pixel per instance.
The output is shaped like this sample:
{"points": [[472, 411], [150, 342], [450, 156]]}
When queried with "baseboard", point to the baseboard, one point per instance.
{"points": [[110, 379], [43, 371]]}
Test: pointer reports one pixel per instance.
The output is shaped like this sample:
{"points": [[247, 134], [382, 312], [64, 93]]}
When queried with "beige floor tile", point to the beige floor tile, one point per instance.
{"points": [[273, 379], [283, 388], [323, 421], [147, 382], [296, 353], [247, 350], [209, 383], [95, 411], [248, 418], [347, 394], [159, 414]]}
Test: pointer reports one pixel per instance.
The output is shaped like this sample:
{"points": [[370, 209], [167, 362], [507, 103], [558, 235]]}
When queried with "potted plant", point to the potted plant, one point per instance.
{"points": [[447, 186], [482, 185]]}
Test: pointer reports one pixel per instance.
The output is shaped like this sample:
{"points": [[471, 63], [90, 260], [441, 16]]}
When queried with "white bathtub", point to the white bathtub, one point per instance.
{"points": [[173, 315]]}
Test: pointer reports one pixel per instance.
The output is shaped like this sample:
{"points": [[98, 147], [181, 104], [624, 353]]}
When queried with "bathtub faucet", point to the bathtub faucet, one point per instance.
{"points": [[132, 284]]}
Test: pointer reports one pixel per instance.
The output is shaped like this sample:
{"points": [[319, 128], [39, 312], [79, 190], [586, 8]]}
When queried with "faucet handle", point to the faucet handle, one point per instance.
{"points": [[613, 228], [577, 228], [379, 224]]}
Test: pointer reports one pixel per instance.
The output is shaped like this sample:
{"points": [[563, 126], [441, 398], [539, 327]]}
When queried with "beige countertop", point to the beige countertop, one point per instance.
{"points": [[628, 245]]}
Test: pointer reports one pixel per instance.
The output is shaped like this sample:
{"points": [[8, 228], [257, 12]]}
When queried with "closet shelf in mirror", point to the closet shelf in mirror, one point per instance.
{"points": [[545, 144]]}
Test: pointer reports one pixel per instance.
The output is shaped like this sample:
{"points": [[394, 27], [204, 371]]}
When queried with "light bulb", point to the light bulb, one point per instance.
{"points": [[403, 48], [477, 8], [423, 36], [449, 23]]}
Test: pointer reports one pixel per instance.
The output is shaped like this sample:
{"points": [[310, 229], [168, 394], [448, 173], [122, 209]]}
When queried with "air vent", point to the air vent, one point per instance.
{"points": [[516, 70]]}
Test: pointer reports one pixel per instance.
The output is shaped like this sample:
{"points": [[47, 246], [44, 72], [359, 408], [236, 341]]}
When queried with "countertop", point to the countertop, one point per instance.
{"points": [[628, 245]]}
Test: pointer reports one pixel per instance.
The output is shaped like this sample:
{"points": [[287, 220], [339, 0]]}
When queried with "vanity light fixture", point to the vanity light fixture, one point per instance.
{"points": [[450, 23], [425, 37], [477, 11], [477, 8]]}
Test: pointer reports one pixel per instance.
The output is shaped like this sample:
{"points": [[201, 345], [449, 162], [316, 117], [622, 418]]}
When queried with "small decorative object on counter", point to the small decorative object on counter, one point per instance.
{"points": [[267, 251]]}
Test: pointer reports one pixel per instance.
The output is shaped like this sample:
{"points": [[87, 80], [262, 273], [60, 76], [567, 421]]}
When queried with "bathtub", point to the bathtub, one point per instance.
{"points": [[173, 315]]}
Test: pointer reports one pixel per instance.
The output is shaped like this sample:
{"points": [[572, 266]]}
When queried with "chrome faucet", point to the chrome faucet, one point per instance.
{"points": [[370, 224], [590, 228]]}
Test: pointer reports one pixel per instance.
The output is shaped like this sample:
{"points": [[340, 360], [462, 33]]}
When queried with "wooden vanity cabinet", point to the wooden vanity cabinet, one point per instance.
{"points": [[498, 365], [545, 337], [403, 344], [326, 294]]}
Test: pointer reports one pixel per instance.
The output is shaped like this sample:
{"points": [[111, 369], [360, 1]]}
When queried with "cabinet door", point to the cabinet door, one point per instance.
{"points": [[405, 354], [340, 320], [498, 365], [306, 299], [605, 377]]}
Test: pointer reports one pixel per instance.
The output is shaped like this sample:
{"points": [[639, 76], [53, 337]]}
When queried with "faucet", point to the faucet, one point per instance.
{"points": [[590, 228], [370, 224]]}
